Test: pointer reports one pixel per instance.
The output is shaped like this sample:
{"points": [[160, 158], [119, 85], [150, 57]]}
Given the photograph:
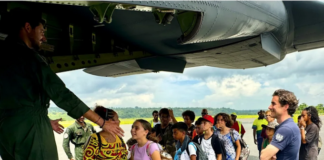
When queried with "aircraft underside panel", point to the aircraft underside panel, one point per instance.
{"points": [[246, 54], [118, 38]]}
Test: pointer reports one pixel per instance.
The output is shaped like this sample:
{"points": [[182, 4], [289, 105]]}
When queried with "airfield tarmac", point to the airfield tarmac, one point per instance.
{"points": [[248, 137]]}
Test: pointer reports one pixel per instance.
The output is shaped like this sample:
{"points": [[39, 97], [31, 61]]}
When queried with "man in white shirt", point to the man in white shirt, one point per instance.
{"points": [[155, 119]]}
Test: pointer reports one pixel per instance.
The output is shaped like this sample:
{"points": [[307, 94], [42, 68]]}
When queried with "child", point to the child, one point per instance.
{"points": [[179, 131], [189, 117], [143, 149], [130, 144], [270, 130], [232, 149], [198, 132], [152, 137], [209, 142]]}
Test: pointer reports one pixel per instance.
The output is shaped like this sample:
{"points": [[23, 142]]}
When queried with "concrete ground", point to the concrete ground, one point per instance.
{"points": [[248, 137]]}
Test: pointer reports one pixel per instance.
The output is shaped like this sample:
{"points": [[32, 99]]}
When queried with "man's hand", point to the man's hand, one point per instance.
{"points": [[72, 159], [255, 141], [274, 157], [113, 128], [56, 126]]}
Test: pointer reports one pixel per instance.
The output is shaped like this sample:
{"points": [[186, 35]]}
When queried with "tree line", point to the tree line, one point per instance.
{"points": [[319, 107], [138, 112]]}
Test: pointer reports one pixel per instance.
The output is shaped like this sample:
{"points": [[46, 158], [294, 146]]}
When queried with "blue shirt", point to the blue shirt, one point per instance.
{"points": [[288, 140]]}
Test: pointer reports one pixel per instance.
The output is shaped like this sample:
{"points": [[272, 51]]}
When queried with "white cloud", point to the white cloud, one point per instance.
{"points": [[313, 89], [234, 86], [206, 86]]}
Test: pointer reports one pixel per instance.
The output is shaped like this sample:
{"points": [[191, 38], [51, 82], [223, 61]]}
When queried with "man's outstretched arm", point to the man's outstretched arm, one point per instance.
{"points": [[65, 99]]}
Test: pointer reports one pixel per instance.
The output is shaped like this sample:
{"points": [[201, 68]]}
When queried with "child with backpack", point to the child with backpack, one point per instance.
{"points": [[143, 149], [228, 136], [198, 131], [185, 149], [209, 142]]}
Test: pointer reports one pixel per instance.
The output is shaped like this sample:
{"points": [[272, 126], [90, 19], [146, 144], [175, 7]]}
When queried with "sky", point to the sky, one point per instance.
{"points": [[300, 72]]}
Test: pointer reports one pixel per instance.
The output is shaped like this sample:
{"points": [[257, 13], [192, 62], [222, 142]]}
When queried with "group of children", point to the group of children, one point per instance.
{"points": [[210, 138]]}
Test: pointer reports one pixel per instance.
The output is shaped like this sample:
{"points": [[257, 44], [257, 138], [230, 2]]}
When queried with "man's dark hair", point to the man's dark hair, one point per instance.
{"points": [[155, 112], [18, 17], [198, 122], [181, 126], [164, 111], [287, 97], [190, 114]]}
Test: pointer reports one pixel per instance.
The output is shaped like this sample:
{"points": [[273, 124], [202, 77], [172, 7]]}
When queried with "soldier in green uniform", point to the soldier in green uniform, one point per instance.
{"points": [[27, 84], [77, 133]]}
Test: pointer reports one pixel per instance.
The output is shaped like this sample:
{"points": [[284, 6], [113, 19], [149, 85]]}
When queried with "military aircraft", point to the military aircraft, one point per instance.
{"points": [[120, 38]]}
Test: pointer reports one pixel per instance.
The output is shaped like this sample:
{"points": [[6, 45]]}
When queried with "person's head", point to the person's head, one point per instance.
{"points": [[81, 119], [204, 112], [179, 130], [155, 115], [153, 132], [199, 131], [188, 117], [270, 128], [164, 116], [207, 122], [140, 129], [107, 114], [299, 118], [310, 114], [261, 114], [130, 142], [268, 116], [283, 103], [223, 120], [29, 25], [152, 136], [234, 116]]}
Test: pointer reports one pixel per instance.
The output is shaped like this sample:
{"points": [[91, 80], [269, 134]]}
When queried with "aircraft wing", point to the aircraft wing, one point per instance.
{"points": [[120, 38]]}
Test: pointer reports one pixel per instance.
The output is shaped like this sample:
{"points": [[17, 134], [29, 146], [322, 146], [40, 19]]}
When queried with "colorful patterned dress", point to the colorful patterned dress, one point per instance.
{"points": [[108, 151]]}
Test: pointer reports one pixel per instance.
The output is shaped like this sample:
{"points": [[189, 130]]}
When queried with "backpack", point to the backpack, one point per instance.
{"points": [[214, 145], [200, 154], [164, 155], [245, 151]]}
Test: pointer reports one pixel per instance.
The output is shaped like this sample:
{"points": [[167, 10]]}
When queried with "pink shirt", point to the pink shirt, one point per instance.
{"points": [[140, 152]]}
